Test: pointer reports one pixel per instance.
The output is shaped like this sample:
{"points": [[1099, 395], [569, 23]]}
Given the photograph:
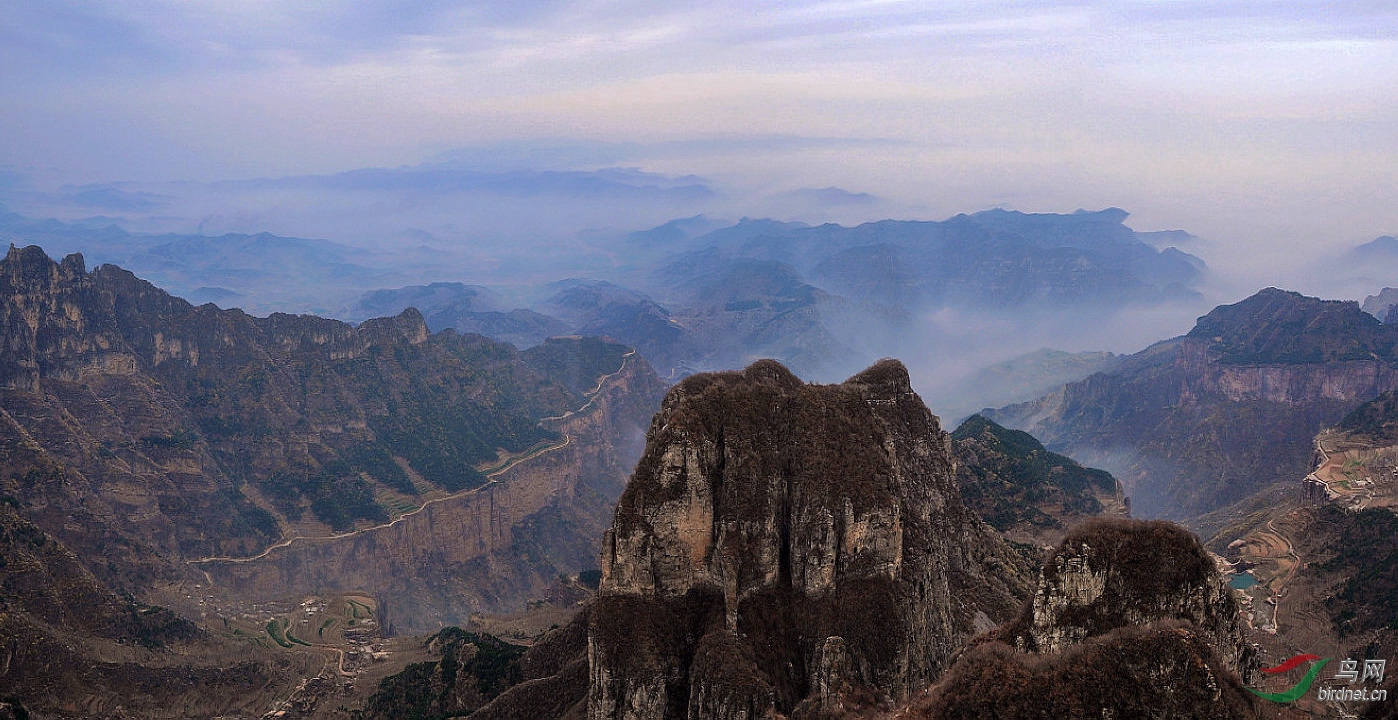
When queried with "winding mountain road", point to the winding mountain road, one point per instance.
{"points": [[1280, 592], [491, 475]]}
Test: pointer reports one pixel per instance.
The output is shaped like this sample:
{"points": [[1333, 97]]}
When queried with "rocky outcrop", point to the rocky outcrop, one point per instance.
{"points": [[1130, 619], [1381, 305], [1163, 671], [1113, 574], [782, 546]]}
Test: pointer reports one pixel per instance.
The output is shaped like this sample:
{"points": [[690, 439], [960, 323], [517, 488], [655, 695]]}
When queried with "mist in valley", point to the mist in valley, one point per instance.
{"points": [[323, 243]]}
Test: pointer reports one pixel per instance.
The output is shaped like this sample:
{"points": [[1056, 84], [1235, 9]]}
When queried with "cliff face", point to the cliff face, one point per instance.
{"points": [[489, 550], [782, 546], [1113, 574], [1130, 619], [146, 433], [1197, 423]]}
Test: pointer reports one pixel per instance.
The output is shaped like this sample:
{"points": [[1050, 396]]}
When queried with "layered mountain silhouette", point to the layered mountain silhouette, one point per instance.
{"points": [[693, 294]]}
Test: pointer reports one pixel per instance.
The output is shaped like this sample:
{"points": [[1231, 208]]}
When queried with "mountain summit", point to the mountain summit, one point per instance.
{"points": [[790, 547]]}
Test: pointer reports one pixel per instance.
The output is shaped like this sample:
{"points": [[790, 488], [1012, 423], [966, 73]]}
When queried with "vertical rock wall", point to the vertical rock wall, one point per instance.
{"points": [[782, 545]]}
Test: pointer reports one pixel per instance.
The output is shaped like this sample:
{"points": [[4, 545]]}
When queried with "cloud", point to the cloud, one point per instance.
{"points": [[1254, 120]]}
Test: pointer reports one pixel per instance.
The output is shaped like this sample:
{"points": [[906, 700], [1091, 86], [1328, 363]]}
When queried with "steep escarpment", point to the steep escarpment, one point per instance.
{"points": [[1130, 619], [1197, 423], [490, 549], [792, 548], [440, 473]]}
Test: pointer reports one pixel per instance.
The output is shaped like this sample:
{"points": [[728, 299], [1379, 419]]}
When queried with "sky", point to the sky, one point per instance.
{"points": [[1270, 128]]}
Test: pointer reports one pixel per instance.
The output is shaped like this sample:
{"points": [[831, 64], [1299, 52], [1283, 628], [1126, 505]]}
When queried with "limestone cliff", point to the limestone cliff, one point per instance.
{"points": [[789, 547]]}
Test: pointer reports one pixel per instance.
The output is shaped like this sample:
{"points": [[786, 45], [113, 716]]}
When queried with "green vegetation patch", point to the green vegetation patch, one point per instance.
{"points": [[179, 440], [274, 630], [376, 461], [358, 610], [293, 639], [338, 496], [474, 669], [1006, 475]]}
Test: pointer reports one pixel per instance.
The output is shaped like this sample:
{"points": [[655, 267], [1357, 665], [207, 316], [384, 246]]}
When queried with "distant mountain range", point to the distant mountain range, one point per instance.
{"points": [[693, 294], [996, 258], [1194, 424]]}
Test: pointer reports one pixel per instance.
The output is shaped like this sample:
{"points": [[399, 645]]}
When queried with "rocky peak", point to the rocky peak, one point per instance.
{"points": [[1278, 326], [408, 325], [30, 264], [1381, 305], [1111, 574], [1131, 620], [782, 543]]}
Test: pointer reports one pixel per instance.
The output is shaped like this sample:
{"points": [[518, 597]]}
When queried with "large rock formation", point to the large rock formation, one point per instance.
{"points": [[1113, 574], [789, 547], [1130, 619]]}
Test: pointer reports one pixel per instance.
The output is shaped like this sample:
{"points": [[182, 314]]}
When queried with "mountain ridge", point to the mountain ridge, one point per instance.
{"points": [[1236, 400]]}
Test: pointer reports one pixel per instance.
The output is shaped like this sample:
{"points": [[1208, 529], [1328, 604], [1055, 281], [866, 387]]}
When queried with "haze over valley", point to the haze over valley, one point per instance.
{"points": [[639, 361]]}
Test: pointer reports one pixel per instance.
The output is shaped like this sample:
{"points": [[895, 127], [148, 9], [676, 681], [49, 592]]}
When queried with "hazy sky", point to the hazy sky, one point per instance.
{"points": [[1245, 122]]}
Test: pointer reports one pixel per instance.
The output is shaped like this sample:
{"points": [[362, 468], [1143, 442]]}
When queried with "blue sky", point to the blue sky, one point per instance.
{"points": [[1254, 123]]}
